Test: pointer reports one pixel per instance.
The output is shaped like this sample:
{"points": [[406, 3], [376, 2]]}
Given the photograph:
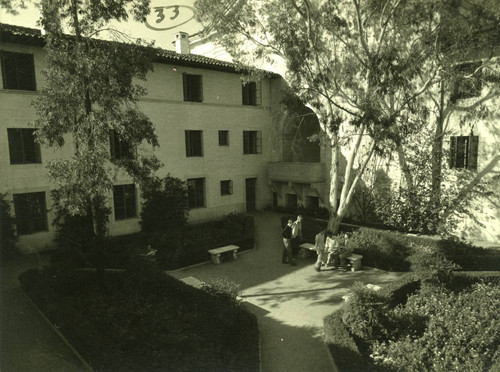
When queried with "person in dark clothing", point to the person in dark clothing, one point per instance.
{"points": [[287, 242]]}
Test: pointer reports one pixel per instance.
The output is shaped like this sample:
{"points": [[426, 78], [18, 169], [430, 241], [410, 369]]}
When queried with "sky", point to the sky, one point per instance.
{"points": [[166, 18]]}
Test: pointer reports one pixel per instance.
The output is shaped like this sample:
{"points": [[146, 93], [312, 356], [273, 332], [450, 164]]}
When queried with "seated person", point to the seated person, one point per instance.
{"points": [[319, 244], [337, 253]]}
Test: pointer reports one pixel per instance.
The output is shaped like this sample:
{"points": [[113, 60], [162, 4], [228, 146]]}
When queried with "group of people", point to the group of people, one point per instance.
{"points": [[331, 250], [329, 247], [292, 235]]}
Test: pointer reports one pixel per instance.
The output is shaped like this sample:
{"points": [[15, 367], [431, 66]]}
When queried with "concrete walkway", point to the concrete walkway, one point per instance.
{"points": [[27, 342], [290, 302]]}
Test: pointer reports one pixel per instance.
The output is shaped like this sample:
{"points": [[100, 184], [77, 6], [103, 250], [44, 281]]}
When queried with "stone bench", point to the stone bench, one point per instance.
{"points": [[306, 249], [355, 260], [216, 252]]}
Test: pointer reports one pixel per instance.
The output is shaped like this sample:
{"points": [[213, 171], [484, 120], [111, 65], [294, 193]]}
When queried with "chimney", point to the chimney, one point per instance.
{"points": [[182, 42]]}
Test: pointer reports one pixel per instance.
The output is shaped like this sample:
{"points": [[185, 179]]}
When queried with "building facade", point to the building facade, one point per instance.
{"points": [[212, 129]]}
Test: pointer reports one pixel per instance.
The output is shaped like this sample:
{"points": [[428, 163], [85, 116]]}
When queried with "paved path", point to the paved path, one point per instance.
{"points": [[27, 342], [290, 302]]}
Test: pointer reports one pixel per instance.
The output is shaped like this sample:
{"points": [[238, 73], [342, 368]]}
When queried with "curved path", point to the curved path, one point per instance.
{"points": [[290, 302]]}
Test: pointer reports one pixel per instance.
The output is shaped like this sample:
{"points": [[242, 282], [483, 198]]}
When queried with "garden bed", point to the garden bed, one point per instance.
{"points": [[406, 327], [145, 320]]}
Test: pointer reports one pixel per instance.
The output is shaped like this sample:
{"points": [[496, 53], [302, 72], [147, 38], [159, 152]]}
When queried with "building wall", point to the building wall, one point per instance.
{"points": [[221, 109]]}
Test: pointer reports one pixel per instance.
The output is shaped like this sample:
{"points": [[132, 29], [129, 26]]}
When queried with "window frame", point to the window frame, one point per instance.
{"points": [[463, 88], [129, 208], [226, 187], [8, 77], [119, 149], [252, 142], [30, 219], [251, 93], [21, 134], [463, 152], [196, 192], [223, 138], [192, 85], [194, 146]]}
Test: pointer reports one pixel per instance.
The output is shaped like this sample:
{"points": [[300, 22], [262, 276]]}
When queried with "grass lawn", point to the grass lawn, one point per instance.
{"points": [[145, 320]]}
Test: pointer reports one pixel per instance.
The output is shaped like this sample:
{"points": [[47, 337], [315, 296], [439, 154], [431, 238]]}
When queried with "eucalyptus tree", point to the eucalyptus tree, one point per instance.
{"points": [[355, 63], [89, 100]]}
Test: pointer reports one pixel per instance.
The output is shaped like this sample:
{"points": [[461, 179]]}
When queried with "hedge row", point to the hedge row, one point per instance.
{"points": [[351, 353], [389, 250], [145, 320], [175, 249]]}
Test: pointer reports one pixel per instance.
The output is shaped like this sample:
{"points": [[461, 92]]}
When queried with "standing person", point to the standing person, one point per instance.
{"points": [[296, 236], [287, 256], [319, 244]]}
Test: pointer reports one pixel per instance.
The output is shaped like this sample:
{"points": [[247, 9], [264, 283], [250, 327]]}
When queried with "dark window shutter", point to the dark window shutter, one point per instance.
{"points": [[258, 141], [252, 93], [188, 142], [453, 151], [29, 145], [246, 142], [473, 147], [185, 87], [15, 146]]}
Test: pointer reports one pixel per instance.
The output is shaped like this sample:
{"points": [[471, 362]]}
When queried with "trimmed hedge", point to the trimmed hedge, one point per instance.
{"points": [[145, 320], [352, 353], [192, 245], [175, 249], [388, 250], [342, 346]]}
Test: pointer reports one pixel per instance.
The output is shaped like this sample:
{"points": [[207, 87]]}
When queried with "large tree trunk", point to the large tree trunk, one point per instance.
{"points": [[404, 168], [437, 151], [334, 220]]}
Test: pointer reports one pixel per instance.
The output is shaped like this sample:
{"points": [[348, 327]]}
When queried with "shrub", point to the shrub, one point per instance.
{"points": [[177, 249], [165, 207], [145, 320], [365, 313], [462, 332], [381, 249], [8, 237], [342, 346], [223, 288], [431, 266]]}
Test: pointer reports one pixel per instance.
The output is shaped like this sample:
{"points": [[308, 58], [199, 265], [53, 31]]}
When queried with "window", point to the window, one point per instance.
{"points": [[312, 202], [124, 201], [291, 200], [226, 187], [193, 87], [251, 93], [31, 212], [22, 146], [120, 149], [194, 142], [18, 70], [467, 82], [196, 192], [252, 142], [223, 138], [463, 151]]}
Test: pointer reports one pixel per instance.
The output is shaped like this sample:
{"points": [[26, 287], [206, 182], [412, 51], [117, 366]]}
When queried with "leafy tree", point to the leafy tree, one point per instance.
{"points": [[165, 207], [90, 96], [354, 63], [8, 235]]}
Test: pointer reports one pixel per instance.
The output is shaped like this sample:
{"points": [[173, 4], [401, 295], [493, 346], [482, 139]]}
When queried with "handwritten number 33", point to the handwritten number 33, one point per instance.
{"points": [[161, 15]]}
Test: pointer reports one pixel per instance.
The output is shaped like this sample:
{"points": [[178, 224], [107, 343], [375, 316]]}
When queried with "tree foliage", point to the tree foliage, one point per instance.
{"points": [[354, 63], [90, 98], [366, 67]]}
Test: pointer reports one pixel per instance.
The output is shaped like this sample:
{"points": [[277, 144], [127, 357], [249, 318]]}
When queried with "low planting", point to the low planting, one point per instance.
{"points": [[145, 320], [389, 250], [173, 249], [432, 319], [189, 246]]}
